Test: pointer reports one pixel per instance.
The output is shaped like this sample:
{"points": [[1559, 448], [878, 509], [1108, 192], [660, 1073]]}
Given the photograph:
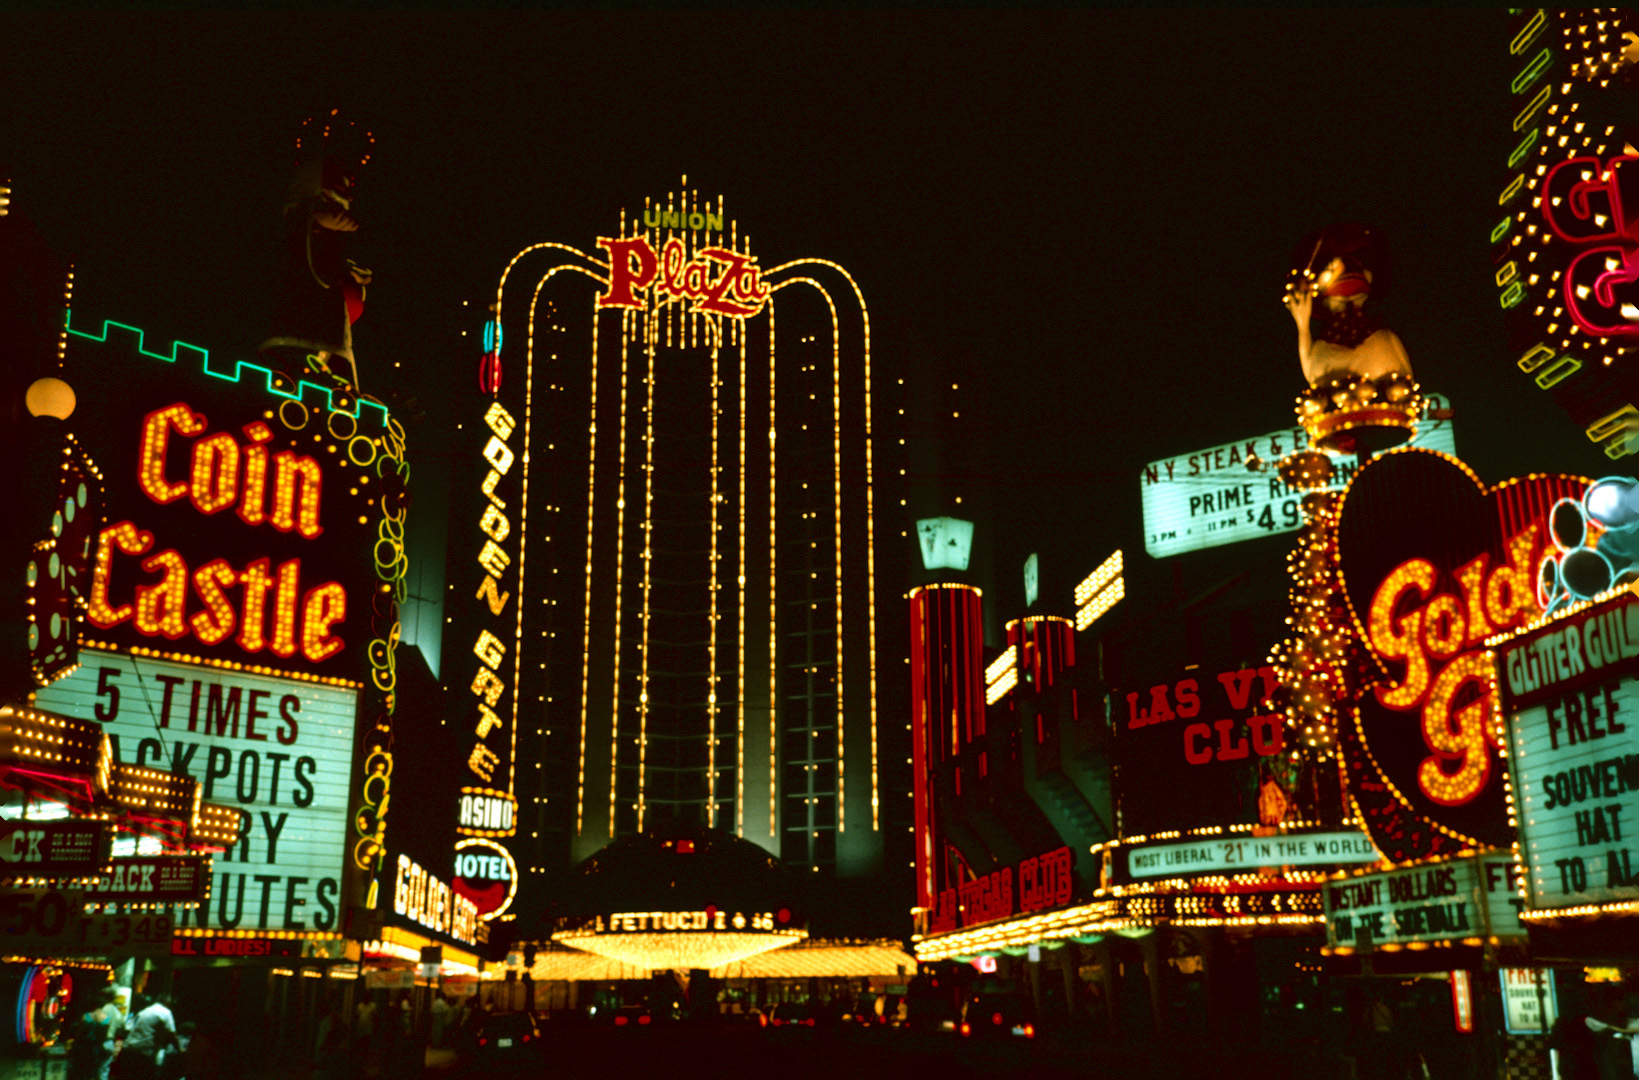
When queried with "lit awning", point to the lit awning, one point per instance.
{"points": [[400, 944], [823, 959], [572, 965], [804, 960], [677, 949]]}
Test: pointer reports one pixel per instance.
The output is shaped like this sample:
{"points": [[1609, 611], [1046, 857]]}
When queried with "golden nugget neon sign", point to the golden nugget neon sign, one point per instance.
{"points": [[1450, 630]]}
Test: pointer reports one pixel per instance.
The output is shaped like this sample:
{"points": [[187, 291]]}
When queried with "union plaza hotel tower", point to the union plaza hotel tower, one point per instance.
{"points": [[678, 612]]}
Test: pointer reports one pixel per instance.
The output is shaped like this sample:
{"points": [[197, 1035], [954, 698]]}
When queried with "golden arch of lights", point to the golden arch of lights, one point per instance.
{"points": [[665, 321]]}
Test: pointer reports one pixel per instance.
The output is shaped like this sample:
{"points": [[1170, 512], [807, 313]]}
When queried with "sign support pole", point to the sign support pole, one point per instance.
{"points": [[1488, 1014]]}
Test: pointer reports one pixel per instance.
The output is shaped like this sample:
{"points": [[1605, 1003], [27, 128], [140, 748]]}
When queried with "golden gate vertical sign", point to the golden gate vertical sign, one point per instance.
{"points": [[486, 807]]}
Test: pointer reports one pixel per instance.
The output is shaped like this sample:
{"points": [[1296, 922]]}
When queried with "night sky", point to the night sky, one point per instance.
{"points": [[1092, 210]]}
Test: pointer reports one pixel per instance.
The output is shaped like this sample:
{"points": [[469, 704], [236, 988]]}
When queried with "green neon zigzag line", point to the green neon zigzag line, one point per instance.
{"points": [[241, 367]]}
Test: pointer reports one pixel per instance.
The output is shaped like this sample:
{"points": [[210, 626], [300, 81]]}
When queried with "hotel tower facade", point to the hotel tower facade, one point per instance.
{"points": [[673, 587]]}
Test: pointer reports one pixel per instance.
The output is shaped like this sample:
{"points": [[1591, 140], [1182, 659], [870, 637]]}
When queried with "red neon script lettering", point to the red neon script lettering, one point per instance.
{"points": [[632, 266], [1582, 204], [214, 482], [160, 608], [1599, 284], [737, 290], [1431, 629]]}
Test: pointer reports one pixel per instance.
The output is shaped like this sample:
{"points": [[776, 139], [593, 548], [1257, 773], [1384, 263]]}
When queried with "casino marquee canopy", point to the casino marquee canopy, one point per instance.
{"points": [[682, 899], [684, 940]]}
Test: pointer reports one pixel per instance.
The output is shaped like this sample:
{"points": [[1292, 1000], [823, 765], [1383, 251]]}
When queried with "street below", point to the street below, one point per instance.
{"points": [[583, 1050]]}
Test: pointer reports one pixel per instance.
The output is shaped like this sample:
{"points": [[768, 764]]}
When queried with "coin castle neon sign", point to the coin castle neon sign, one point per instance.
{"points": [[215, 483]]}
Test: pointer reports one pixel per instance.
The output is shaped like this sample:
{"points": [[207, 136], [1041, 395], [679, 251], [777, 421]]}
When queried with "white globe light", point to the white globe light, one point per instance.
{"points": [[50, 397], [1604, 501]]}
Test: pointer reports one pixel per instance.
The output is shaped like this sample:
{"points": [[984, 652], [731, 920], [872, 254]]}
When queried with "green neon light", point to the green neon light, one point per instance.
{"points": [[1532, 71], [1524, 147], [306, 392]]}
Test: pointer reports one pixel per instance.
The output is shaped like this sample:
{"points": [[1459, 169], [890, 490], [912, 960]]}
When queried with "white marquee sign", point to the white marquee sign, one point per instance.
{"points": [[280, 749], [1210, 497]]}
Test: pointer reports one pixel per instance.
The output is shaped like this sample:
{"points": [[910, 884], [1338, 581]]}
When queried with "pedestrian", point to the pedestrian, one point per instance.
{"points": [[1613, 1039], [1378, 1052], [152, 1033], [394, 1039], [117, 1021], [94, 1038], [173, 1064], [399, 1015], [1572, 1040], [462, 1008], [205, 1053], [364, 1023], [329, 1044], [441, 1019]]}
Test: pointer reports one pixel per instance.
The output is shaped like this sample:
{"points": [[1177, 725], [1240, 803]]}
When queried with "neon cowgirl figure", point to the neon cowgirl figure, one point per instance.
{"points": [[1358, 371], [321, 291]]}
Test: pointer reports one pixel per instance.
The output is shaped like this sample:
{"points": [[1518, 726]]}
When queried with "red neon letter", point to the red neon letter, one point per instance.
{"points": [[1191, 754], [156, 431], [293, 509], [132, 541], [284, 608], [632, 265], [1268, 734], [214, 480], [256, 581], [1599, 283], [673, 258], [740, 279], [1400, 638], [1572, 206], [324, 607], [253, 501], [161, 608], [1225, 751], [213, 625]]}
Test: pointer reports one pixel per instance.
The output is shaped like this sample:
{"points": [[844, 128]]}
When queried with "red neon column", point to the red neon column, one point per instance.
{"points": [[1046, 644], [947, 698]]}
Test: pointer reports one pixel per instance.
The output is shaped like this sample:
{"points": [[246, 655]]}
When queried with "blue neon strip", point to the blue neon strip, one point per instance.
{"points": [[261, 377], [23, 994]]}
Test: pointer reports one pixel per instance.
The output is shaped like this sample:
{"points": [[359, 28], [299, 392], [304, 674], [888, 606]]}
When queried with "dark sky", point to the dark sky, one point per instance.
{"points": [[1093, 209]]}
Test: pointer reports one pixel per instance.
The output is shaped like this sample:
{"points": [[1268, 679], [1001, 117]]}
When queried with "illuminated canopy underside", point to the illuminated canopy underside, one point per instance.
{"points": [[825, 960], [681, 951], [808, 959]]}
